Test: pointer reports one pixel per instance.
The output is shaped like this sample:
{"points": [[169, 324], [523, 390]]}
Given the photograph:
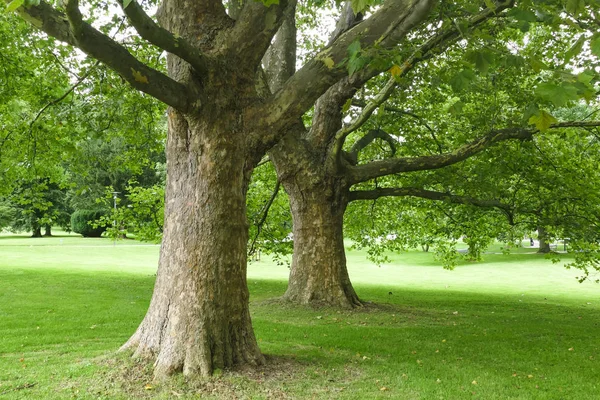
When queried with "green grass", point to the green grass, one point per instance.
{"points": [[512, 327]]}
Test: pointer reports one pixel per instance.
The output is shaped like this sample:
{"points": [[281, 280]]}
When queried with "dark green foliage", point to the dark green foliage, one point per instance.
{"points": [[82, 220]]}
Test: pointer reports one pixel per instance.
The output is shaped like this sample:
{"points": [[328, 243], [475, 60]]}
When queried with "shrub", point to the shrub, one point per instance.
{"points": [[82, 220]]}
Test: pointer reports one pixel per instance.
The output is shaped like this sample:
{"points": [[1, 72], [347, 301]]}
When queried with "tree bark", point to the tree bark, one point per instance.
{"points": [[47, 230], [318, 274], [37, 232], [542, 238], [199, 318]]}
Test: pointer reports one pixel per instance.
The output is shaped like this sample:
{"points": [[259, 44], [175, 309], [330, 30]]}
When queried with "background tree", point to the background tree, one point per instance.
{"points": [[462, 69]]}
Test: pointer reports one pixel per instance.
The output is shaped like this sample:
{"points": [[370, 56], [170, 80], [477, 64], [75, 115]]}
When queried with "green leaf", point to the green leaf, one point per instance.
{"points": [[531, 110], [575, 7], [490, 4], [585, 77], [461, 80], [354, 49], [537, 65], [542, 121], [595, 45], [359, 5], [346, 106], [356, 64], [481, 59], [575, 49], [269, 3], [456, 108], [557, 95], [126, 3], [13, 5], [522, 15]]}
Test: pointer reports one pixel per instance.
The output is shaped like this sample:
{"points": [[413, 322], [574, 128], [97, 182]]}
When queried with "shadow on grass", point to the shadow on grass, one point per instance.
{"points": [[413, 343]]}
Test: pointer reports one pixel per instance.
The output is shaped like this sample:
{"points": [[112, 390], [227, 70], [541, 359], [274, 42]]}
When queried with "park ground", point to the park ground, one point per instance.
{"points": [[514, 326]]}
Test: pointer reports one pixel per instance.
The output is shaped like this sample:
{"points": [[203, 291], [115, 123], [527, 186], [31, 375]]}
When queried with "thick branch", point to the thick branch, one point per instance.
{"points": [[426, 194], [377, 169], [368, 139], [257, 24], [162, 38], [328, 110], [435, 45], [80, 34], [385, 27], [280, 59]]}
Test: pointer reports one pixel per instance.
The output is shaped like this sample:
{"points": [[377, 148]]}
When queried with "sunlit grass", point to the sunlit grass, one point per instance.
{"points": [[513, 326]]}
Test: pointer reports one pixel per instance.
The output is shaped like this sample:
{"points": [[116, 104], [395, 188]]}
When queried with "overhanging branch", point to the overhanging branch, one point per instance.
{"points": [[435, 45], [377, 169], [162, 38], [425, 194], [431, 195], [78, 33]]}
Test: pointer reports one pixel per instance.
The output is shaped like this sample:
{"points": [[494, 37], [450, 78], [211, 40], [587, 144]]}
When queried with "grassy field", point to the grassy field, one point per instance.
{"points": [[512, 327]]}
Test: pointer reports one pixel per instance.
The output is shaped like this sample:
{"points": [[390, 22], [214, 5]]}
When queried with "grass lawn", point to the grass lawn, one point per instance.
{"points": [[512, 327]]}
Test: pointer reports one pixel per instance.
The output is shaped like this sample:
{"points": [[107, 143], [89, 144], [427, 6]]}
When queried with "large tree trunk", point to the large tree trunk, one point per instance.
{"points": [[48, 230], [199, 318], [318, 274]]}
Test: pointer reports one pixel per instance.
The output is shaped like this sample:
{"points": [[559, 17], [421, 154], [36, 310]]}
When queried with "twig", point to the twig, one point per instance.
{"points": [[263, 218], [25, 386]]}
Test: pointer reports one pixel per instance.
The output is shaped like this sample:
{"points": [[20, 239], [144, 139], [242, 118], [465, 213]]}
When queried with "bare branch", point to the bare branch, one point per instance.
{"points": [[162, 38], [368, 139], [265, 214], [78, 33], [61, 98], [377, 169], [280, 59]]}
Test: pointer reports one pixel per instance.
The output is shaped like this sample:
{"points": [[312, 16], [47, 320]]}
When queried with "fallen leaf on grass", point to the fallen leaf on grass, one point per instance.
{"points": [[383, 388], [148, 386], [571, 349], [474, 383]]}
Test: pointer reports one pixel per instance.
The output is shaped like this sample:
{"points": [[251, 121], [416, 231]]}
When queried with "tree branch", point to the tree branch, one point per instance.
{"points": [[377, 169], [265, 214], [426, 194], [385, 27], [78, 33], [360, 103], [368, 139], [375, 194], [435, 45], [251, 35], [162, 38]]}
